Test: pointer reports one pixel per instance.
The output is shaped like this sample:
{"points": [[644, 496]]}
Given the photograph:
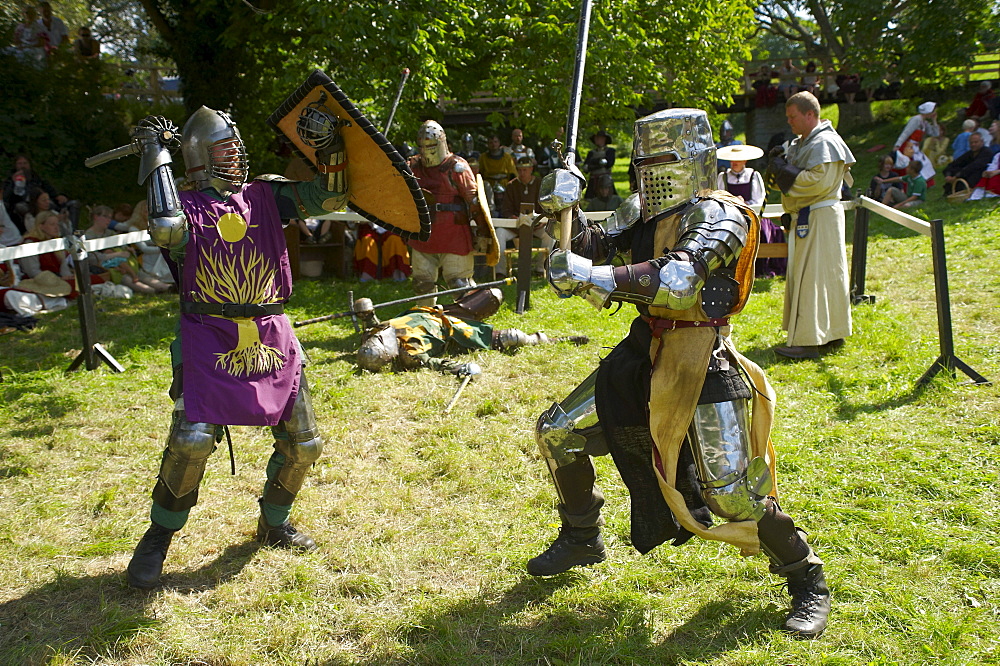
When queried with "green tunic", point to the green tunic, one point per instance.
{"points": [[426, 334]]}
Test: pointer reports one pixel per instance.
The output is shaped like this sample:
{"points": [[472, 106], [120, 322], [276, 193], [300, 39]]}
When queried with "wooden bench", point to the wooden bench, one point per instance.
{"points": [[319, 258]]}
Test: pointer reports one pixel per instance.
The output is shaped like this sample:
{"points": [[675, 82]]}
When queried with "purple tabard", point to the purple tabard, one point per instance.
{"points": [[237, 371]]}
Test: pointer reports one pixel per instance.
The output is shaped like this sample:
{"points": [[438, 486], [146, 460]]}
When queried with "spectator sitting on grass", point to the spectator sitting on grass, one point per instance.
{"points": [[118, 260], [979, 107], [989, 185], [9, 235], [960, 145], [914, 190], [880, 182], [969, 167]]}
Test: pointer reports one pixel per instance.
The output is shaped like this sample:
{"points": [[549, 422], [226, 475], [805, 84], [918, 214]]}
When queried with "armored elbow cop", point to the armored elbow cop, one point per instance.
{"points": [[712, 235]]}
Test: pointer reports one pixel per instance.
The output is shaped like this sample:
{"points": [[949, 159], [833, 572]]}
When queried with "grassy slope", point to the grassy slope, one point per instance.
{"points": [[425, 520]]}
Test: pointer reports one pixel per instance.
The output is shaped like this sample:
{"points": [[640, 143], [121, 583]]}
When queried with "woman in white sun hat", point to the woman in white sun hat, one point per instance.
{"points": [[748, 184]]}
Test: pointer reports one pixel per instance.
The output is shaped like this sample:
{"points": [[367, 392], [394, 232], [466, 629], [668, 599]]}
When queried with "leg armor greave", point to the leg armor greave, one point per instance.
{"points": [[458, 283], [783, 543], [568, 433], [188, 447], [732, 485], [512, 338], [302, 448]]}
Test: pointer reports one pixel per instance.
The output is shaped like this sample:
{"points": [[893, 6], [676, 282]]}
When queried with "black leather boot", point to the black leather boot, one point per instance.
{"points": [[284, 536], [810, 601], [147, 561], [791, 557], [574, 547]]}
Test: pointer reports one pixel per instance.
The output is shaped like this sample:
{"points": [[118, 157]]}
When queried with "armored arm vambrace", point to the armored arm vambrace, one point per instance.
{"points": [[167, 222], [333, 165], [476, 214], [781, 174], [673, 281]]}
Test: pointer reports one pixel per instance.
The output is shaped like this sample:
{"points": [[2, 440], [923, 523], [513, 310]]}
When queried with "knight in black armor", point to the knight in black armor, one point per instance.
{"points": [[685, 416]]}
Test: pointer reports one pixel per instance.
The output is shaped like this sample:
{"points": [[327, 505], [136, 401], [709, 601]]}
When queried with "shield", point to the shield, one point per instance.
{"points": [[382, 188], [493, 254]]}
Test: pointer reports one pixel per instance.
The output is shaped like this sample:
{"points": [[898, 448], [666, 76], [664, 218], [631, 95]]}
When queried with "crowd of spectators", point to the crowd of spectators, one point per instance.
{"points": [[969, 164], [40, 33], [33, 211], [766, 86]]}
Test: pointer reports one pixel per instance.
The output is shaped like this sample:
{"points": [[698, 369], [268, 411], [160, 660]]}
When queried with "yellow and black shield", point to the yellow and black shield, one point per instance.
{"points": [[383, 189]]}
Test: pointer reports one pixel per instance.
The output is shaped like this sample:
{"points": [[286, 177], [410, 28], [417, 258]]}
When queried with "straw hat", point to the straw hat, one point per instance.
{"points": [[45, 283], [739, 153]]}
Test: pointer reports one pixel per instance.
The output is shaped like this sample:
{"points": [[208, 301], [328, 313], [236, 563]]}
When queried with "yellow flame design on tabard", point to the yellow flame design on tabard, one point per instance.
{"points": [[246, 277], [232, 227]]}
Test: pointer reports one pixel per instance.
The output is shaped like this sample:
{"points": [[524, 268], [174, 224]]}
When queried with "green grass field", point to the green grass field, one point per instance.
{"points": [[425, 520]]}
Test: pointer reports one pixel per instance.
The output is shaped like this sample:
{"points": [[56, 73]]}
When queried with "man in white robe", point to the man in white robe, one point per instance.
{"points": [[817, 313]]}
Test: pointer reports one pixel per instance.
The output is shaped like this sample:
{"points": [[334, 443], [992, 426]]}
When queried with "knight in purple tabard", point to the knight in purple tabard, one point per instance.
{"points": [[237, 361]]}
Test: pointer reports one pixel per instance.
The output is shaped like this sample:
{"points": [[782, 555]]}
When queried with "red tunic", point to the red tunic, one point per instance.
{"points": [[450, 183]]}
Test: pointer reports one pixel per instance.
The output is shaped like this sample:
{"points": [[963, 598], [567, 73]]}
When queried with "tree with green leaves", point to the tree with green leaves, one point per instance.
{"points": [[247, 57]]}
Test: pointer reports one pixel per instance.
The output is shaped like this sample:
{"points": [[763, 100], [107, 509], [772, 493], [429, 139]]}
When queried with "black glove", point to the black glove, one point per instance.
{"points": [[780, 174], [777, 151]]}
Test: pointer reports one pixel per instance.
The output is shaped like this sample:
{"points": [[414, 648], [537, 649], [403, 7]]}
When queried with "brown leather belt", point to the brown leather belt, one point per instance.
{"points": [[658, 324]]}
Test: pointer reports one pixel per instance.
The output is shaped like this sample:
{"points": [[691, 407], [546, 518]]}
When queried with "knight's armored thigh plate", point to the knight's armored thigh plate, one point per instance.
{"points": [[188, 447], [302, 448], [732, 485], [570, 428]]}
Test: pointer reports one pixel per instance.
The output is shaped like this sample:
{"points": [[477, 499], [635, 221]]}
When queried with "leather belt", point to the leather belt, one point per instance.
{"points": [[658, 324], [233, 310], [452, 208]]}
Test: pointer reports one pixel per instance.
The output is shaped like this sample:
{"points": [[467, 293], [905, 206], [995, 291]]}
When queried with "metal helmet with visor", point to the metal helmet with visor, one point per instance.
{"points": [[432, 143], [674, 159], [213, 151], [379, 348]]}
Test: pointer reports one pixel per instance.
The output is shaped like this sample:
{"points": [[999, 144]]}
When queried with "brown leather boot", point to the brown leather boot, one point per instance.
{"points": [[574, 547]]}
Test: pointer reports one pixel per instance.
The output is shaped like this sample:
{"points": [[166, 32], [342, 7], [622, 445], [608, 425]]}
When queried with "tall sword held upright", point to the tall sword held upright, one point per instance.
{"points": [[573, 119]]}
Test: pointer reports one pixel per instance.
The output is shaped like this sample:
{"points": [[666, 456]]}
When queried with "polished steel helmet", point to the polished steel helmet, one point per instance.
{"points": [[468, 144], [378, 349], [213, 152], [432, 143], [674, 158]]}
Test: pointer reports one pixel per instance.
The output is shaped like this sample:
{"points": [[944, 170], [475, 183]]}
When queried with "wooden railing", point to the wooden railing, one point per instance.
{"points": [[144, 81]]}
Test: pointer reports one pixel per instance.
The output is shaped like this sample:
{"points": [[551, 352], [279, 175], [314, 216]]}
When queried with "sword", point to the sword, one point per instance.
{"points": [[454, 398], [576, 91], [409, 299], [399, 93]]}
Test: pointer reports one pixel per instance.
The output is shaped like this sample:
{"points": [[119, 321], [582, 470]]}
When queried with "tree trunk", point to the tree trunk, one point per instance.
{"points": [[853, 116]]}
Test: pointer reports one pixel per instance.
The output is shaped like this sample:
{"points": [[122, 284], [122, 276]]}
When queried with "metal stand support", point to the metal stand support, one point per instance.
{"points": [[859, 257], [525, 237], [947, 360], [92, 353]]}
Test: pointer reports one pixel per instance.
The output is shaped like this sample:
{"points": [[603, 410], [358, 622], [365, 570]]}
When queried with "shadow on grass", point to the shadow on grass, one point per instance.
{"points": [[96, 616], [845, 409], [618, 631]]}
